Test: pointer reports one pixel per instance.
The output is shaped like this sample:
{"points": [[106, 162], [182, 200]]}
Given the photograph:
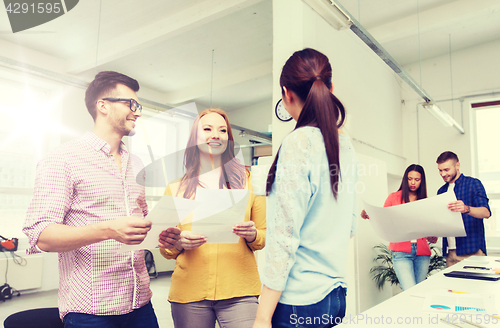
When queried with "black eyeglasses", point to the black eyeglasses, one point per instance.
{"points": [[134, 105]]}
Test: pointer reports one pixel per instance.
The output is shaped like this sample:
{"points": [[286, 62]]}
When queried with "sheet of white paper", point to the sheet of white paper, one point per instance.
{"points": [[167, 213], [221, 209], [443, 301], [422, 218], [474, 259]]}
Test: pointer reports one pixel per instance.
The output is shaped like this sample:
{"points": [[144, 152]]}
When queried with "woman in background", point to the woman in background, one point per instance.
{"points": [[312, 202], [410, 258], [215, 281]]}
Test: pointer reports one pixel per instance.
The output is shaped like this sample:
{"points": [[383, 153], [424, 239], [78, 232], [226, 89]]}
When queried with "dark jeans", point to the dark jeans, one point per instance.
{"points": [[143, 317], [326, 313]]}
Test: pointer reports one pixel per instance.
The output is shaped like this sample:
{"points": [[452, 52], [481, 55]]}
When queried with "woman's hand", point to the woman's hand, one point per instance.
{"points": [[364, 215], [246, 230], [169, 238], [432, 240], [189, 240]]}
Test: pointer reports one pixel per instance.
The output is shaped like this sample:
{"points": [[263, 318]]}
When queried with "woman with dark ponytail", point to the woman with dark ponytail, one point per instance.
{"points": [[312, 203]]}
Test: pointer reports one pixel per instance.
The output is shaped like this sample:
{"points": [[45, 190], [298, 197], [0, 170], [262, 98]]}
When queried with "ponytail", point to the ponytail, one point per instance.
{"points": [[321, 107]]}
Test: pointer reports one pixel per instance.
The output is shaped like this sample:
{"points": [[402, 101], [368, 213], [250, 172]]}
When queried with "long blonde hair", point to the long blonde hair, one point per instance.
{"points": [[233, 172]]}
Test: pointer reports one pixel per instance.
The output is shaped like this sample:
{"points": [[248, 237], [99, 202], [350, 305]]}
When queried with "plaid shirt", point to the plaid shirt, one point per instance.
{"points": [[472, 193], [79, 184]]}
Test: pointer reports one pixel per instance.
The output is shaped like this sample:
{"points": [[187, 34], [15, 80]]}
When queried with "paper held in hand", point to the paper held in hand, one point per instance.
{"points": [[423, 218], [221, 210], [168, 212]]}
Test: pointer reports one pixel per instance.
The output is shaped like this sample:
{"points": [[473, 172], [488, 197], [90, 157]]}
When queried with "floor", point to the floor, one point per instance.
{"points": [[160, 287]]}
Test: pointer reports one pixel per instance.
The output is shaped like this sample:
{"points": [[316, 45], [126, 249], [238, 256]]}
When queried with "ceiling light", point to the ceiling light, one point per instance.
{"points": [[331, 12], [442, 116]]}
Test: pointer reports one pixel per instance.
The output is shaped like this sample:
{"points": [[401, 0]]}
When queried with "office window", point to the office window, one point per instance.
{"points": [[161, 136], [32, 126], [29, 129], [488, 158]]}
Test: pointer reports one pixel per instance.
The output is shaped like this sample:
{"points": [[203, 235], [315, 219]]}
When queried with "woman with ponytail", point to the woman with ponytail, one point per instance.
{"points": [[215, 282], [311, 205]]}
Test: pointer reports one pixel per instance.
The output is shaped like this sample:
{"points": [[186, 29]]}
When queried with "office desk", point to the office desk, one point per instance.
{"points": [[405, 309]]}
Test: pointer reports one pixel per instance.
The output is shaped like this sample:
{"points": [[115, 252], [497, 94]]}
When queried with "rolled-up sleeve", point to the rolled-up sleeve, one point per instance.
{"points": [[172, 253], [51, 199], [258, 216], [480, 198]]}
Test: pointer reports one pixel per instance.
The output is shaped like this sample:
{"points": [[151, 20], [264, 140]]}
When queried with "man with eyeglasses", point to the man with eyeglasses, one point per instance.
{"points": [[86, 204]]}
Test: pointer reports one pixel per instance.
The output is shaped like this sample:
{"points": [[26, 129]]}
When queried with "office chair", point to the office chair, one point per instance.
{"points": [[35, 318]]}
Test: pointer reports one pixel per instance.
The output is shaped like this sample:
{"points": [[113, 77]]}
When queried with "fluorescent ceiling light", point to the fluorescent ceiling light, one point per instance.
{"points": [[331, 12], [442, 116], [438, 113], [339, 17]]}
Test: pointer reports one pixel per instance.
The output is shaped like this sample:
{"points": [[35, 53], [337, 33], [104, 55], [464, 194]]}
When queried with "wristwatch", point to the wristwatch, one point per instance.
{"points": [[468, 209]]}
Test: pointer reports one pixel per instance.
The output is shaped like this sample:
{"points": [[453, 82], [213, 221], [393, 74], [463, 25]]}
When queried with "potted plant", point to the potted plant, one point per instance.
{"points": [[384, 270]]}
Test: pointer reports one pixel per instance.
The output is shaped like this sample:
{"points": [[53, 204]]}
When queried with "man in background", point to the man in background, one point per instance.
{"points": [[86, 204], [472, 202]]}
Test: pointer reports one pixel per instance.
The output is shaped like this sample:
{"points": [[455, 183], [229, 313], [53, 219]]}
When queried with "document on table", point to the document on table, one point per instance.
{"points": [[422, 218], [169, 212], [221, 209], [443, 301]]}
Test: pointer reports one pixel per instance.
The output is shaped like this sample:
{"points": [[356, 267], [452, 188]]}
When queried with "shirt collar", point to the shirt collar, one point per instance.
{"points": [[460, 178], [100, 145]]}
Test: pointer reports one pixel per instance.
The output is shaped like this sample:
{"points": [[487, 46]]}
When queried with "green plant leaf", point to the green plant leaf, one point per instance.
{"points": [[383, 272]]}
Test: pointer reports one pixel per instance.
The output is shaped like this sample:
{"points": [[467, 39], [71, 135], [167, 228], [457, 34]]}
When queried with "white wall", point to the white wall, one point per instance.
{"points": [[474, 71], [255, 117], [371, 93]]}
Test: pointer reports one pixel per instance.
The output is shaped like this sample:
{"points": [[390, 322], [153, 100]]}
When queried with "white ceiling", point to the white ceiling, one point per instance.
{"points": [[220, 51], [399, 24]]}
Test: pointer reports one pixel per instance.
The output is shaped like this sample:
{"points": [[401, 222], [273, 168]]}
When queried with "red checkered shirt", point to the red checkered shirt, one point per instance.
{"points": [[79, 184]]}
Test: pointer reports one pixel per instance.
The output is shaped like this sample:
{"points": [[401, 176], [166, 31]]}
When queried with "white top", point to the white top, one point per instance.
{"points": [[451, 240]]}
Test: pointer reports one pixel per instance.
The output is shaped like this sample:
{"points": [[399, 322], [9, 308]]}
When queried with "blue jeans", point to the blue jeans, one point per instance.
{"points": [[143, 317], [326, 313], [410, 268]]}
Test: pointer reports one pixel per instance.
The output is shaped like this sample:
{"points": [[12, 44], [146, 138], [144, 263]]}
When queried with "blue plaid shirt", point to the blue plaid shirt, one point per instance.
{"points": [[472, 193]]}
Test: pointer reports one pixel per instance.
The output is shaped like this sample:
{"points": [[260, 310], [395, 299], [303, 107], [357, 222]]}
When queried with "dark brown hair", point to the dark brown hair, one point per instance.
{"points": [[308, 73], [446, 156], [234, 173], [421, 191], [104, 82]]}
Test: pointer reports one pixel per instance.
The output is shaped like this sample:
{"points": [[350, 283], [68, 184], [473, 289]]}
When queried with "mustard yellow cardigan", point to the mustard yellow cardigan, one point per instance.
{"points": [[218, 271]]}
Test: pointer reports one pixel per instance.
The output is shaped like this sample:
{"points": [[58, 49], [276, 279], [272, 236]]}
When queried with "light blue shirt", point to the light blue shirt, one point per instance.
{"points": [[308, 230]]}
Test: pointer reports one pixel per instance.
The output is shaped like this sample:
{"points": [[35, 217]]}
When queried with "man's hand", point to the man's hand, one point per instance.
{"points": [[189, 240], [246, 230], [129, 230], [458, 206], [169, 238]]}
